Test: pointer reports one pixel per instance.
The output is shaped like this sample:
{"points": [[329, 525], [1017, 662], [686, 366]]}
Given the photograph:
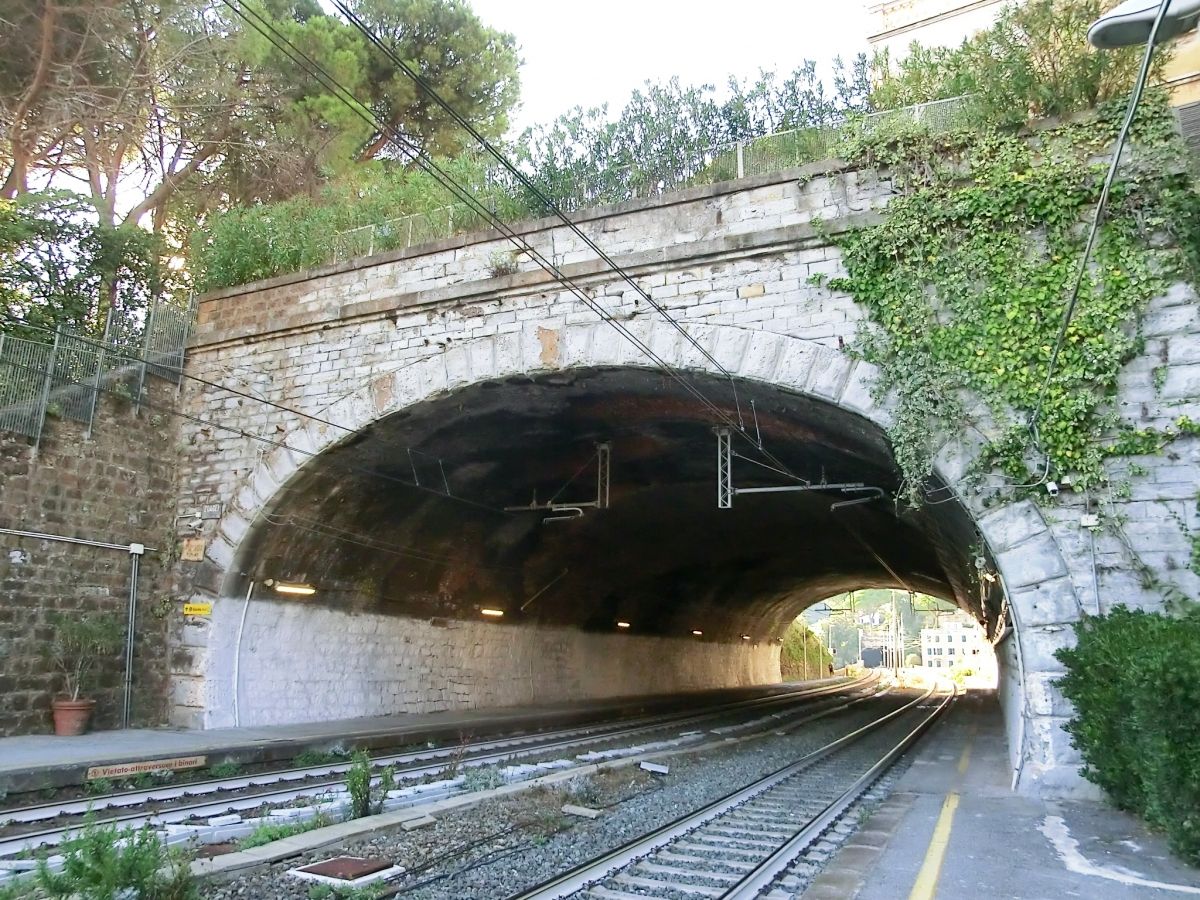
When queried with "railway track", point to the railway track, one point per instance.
{"points": [[200, 800], [736, 847]]}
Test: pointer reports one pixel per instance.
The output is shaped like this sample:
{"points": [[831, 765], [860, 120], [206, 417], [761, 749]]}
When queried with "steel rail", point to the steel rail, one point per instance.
{"points": [[629, 854], [756, 882], [550, 740], [507, 750]]}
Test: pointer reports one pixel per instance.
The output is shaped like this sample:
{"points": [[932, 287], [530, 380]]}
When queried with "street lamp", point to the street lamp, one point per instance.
{"points": [[1133, 22]]}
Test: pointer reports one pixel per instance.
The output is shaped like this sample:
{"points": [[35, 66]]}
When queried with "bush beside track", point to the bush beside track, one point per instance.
{"points": [[1134, 678]]}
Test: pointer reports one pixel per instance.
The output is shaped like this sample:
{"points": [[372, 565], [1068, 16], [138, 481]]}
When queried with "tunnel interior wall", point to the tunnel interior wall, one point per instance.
{"points": [[297, 663]]}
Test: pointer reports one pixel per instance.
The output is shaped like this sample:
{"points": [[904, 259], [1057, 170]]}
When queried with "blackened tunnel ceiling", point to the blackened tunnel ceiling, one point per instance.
{"points": [[662, 557]]}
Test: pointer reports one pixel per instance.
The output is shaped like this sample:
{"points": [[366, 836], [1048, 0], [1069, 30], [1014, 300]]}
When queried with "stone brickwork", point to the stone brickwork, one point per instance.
{"points": [[371, 664], [742, 265], [115, 487]]}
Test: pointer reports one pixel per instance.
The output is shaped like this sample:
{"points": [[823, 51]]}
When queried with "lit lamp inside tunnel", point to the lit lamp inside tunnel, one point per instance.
{"points": [[292, 588]]}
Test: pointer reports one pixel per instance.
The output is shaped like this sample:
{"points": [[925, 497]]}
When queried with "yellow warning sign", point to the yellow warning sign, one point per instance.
{"points": [[197, 609], [123, 770], [192, 550]]}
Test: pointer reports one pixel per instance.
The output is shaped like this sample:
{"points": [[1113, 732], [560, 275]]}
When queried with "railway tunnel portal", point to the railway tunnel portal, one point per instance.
{"points": [[398, 417]]}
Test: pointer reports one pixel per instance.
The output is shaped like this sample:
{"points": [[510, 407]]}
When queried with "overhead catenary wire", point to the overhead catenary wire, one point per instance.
{"points": [[1135, 97], [114, 352], [532, 187], [281, 445], [265, 28], [320, 529]]}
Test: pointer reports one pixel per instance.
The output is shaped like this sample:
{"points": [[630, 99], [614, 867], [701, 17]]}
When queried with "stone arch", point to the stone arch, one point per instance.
{"points": [[1036, 577]]}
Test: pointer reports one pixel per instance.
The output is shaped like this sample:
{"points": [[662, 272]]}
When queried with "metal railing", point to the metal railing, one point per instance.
{"points": [[701, 164], [67, 375]]}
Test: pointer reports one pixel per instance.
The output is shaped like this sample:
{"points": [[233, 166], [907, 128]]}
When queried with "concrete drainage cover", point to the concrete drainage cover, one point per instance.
{"points": [[348, 871]]}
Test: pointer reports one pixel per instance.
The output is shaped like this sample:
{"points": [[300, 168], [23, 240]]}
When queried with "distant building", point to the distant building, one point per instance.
{"points": [[957, 641], [946, 23]]}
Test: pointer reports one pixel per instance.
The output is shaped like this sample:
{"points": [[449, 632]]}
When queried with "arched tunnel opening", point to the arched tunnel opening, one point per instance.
{"points": [[434, 560]]}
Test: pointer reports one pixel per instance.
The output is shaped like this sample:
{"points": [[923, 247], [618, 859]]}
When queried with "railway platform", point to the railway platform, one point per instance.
{"points": [[954, 830], [37, 762]]}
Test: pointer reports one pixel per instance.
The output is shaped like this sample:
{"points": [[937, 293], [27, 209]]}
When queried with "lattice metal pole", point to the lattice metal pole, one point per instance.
{"points": [[724, 469], [603, 474]]}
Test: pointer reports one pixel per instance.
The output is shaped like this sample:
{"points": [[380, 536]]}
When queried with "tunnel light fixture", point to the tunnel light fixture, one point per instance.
{"points": [[745, 637], [491, 612], [295, 588], [623, 625], [697, 632]]}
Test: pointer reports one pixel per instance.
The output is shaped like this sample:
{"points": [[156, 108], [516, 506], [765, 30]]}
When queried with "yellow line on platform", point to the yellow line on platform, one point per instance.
{"points": [[926, 884], [931, 868]]}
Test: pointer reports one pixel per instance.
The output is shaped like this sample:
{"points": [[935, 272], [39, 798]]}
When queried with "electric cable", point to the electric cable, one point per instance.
{"points": [[362, 470], [290, 520], [530, 186], [421, 158], [133, 358], [268, 31], [568, 482], [1134, 98]]}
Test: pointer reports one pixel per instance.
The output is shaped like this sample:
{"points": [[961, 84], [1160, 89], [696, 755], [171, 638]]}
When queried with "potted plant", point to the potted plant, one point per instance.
{"points": [[80, 640]]}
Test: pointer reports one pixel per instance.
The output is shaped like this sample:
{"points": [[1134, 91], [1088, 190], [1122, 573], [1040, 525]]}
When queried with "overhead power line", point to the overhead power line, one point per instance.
{"points": [[282, 445], [265, 28], [114, 352], [1135, 97], [530, 185]]}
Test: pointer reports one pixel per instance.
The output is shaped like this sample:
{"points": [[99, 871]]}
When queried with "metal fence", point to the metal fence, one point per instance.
{"points": [[689, 166], [67, 375]]}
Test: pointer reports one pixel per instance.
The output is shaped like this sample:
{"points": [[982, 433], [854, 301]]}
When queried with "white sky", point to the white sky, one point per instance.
{"points": [[587, 54]]}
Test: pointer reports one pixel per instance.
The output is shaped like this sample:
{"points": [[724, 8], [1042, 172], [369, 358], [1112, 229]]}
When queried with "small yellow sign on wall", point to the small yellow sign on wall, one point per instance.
{"points": [[193, 550], [197, 609]]}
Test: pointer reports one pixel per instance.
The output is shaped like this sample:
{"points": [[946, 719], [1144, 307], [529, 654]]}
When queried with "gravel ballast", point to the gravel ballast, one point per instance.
{"points": [[502, 845]]}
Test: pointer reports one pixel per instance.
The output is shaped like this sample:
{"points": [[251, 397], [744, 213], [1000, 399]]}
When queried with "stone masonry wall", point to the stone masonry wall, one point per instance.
{"points": [[373, 665], [116, 487], [734, 262]]}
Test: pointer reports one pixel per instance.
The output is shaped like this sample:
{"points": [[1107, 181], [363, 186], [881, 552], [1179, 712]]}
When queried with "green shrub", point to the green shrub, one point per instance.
{"points": [[227, 769], [1035, 60], [358, 783], [1134, 678], [104, 861], [271, 832]]}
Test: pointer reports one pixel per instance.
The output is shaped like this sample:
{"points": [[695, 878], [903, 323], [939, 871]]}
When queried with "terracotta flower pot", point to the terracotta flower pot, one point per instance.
{"points": [[71, 716]]}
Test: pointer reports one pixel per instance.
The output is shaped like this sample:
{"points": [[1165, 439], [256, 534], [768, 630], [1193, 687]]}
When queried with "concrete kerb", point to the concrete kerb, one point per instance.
{"points": [[279, 750]]}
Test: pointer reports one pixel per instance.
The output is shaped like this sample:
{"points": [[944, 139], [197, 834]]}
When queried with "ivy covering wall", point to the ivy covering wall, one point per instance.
{"points": [[967, 279]]}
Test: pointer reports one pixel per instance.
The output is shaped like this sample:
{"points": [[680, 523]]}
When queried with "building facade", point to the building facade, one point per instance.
{"points": [[944, 23], [958, 642]]}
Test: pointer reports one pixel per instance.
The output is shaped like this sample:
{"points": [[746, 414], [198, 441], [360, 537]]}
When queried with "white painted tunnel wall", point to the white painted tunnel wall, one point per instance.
{"points": [[297, 662]]}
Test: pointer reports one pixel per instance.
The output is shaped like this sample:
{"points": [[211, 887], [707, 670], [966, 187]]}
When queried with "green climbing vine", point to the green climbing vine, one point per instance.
{"points": [[966, 279]]}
